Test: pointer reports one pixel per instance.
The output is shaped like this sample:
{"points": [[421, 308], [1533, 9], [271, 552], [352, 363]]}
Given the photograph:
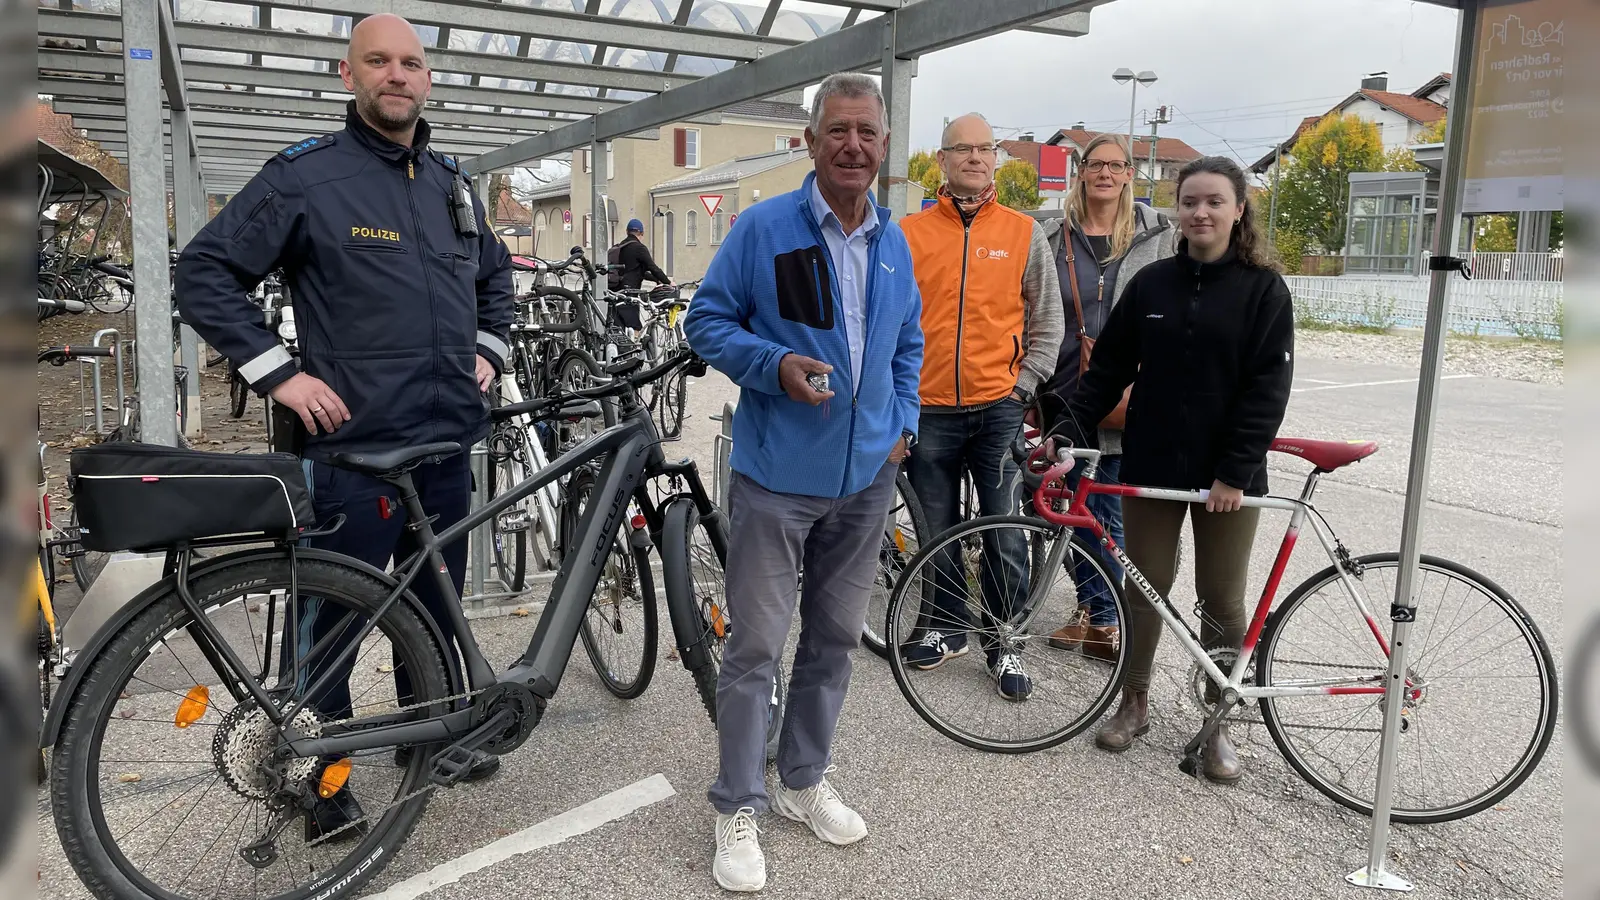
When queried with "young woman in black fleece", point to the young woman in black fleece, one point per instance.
{"points": [[1206, 338]]}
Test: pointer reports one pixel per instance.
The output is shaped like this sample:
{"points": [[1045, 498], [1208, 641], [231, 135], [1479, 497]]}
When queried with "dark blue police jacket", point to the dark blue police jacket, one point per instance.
{"points": [[391, 304]]}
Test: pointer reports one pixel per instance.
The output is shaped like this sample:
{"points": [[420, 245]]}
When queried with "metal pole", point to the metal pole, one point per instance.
{"points": [[185, 191], [597, 201], [141, 47], [1272, 206], [1133, 106], [886, 77], [1155, 123], [1404, 610]]}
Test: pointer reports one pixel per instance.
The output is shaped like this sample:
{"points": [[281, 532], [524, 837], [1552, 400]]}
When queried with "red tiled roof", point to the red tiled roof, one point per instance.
{"points": [[1023, 150], [507, 211], [59, 132], [1167, 149], [1423, 112]]}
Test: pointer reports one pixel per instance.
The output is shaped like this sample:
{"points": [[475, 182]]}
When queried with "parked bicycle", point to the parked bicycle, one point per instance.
{"points": [[1480, 698], [184, 740]]}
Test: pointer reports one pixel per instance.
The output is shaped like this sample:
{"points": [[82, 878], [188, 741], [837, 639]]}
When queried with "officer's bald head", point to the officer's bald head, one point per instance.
{"points": [[385, 67]]}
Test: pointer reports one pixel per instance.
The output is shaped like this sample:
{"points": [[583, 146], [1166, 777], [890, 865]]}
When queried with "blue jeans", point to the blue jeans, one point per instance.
{"points": [[978, 442], [1092, 589]]}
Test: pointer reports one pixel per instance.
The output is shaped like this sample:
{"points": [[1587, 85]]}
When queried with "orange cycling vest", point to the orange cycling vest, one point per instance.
{"points": [[972, 307]]}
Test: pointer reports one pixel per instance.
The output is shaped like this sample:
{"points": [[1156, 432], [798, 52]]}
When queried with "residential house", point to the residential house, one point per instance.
{"points": [[1400, 117], [632, 169], [1171, 154]]}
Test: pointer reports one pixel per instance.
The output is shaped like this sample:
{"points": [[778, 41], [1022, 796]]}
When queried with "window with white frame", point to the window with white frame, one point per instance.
{"points": [[691, 228], [588, 230], [691, 148], [719, 224]]}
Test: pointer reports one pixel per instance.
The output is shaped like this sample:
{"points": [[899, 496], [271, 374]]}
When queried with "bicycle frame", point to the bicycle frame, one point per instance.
{"points": [[1078, 515]]}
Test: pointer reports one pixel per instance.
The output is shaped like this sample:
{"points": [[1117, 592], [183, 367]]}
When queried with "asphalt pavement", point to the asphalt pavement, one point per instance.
{"points": [[950, 822]]}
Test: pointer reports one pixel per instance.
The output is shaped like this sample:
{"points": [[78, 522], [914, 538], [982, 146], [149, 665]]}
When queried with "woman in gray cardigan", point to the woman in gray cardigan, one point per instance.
{"points": [[1104, 239]]}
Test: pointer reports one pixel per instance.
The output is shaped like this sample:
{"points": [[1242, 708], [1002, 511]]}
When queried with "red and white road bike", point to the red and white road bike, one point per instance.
{"points": [[1479, 705]]}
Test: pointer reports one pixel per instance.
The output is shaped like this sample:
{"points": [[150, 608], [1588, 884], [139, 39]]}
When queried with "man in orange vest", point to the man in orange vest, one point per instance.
{"points": [[992, 324]]}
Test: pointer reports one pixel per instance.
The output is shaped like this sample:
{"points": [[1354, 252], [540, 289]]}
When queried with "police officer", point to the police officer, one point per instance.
{"points": [[403, 308]]}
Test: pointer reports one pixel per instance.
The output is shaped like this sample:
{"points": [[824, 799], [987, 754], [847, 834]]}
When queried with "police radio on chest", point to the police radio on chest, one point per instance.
{"points": [[461, 203]]}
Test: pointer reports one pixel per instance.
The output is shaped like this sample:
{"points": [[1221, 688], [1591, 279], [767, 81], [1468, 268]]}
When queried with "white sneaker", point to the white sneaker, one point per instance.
{"points": [[819, 806], [739, 865]]}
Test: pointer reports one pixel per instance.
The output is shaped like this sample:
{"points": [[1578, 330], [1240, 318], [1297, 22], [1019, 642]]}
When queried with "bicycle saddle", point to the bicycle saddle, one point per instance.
{"points": [[1326, 455], [393, 462]]}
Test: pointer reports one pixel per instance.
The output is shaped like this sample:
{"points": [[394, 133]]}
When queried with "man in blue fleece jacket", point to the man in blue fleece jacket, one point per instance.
{"points": [[814, 282]]}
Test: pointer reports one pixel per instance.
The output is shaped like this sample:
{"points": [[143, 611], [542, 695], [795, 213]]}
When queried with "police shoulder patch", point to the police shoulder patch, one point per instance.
{"points": [[308, 145], [446, 161]]}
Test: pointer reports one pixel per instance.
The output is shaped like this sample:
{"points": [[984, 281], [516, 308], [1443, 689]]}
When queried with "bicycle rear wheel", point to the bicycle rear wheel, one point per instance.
{"points": [[1479, 711], [951, 587], [907, 528], [165, 771], [619, 628]]}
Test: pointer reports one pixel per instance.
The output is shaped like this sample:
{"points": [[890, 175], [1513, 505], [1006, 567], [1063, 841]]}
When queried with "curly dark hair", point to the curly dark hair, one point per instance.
{"points": [[1247, 240]]}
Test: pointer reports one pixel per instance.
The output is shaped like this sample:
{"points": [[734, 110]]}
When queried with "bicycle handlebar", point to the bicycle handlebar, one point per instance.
{"points": [[58, 356], [622, 383]]}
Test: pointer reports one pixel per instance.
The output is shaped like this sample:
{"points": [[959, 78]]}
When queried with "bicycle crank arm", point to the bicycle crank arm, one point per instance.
{"points": [[453, 763], [1191, 762]]}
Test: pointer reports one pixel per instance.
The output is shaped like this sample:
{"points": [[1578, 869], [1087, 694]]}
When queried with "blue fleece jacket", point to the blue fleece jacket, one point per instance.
{"points": [[772, 289]]}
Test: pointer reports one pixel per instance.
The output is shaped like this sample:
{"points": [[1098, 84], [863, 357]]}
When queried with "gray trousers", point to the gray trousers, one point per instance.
{"points": [[770, 537]]}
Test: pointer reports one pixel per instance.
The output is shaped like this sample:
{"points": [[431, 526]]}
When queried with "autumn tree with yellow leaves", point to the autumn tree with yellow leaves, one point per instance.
{"points": [[1314, 189]]}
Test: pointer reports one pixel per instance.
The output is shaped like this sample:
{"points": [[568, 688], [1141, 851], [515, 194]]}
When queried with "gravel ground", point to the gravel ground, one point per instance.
{"points": [[1536, 361]]}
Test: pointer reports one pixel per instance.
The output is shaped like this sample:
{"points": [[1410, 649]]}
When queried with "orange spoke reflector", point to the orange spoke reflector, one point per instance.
{"points": [[194, 706], [719, 625], [900, 539], [333, 778]]}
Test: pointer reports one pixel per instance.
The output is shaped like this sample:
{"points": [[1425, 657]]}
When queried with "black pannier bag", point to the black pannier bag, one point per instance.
{"points": [[133, 496]]}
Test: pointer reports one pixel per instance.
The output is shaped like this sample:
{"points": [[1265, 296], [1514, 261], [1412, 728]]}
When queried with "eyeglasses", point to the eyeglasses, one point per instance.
{"points": [[969, 149], [1116, 166]]}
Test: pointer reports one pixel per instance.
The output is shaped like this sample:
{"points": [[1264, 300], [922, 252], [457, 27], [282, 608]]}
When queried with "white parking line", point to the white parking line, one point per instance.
{"points": [[1321, 381], [572, 823], [1335, 387]]}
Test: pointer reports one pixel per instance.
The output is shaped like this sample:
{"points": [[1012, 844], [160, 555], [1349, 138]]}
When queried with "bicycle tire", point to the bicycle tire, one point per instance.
{"points": [[621, 564], [1523, 624], [673, 400], [577, 369], [898, 636], [892, 560], [508, 549], [76, 785], [86, 564], [692, 564], [238, 393]]}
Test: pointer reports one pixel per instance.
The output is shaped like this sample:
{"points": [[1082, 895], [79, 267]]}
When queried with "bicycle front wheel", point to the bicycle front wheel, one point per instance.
{"points": [[167, 771], [991, 588], [1480, 703], [692, 566], [619, 628]]}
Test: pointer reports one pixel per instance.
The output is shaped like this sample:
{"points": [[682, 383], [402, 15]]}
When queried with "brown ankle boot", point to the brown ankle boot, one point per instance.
{"points": [[1101, 642], [1070, 635], [1131, 720], [1221, 763]]}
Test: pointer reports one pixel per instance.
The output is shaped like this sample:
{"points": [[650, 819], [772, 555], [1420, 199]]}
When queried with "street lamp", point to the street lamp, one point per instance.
{"points": [[1124, 76]]}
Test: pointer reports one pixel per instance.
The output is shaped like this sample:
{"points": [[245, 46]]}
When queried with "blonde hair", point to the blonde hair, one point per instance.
{"points": [[1078, 200]]}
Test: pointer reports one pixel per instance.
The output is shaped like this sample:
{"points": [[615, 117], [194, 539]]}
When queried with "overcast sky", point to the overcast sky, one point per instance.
{"points": [[1239, 72]]}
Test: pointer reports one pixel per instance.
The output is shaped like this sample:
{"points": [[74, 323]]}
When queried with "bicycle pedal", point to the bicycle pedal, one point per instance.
{"points": [[450, 765], [1190, 765]]}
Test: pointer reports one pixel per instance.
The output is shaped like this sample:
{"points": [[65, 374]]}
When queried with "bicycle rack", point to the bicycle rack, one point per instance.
{"points": [[721, 450], [477, 595], [99, 394]]}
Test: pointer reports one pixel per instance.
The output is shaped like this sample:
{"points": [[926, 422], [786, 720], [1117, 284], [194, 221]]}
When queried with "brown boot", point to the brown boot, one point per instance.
{"points": [[1131, 720], [1070, 635], [1221, 763], [1101, 642]]}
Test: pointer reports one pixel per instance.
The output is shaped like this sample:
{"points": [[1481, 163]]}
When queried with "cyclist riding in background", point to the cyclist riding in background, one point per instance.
{"points": [[637, 263], [992, 320]]}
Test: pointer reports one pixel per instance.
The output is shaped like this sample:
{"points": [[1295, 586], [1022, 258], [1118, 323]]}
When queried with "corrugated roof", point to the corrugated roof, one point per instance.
{"points": [[733, 170], [560, 187]]}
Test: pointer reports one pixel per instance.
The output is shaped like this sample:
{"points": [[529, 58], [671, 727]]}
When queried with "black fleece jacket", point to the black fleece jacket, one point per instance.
{"points": [[1209, 349]]}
